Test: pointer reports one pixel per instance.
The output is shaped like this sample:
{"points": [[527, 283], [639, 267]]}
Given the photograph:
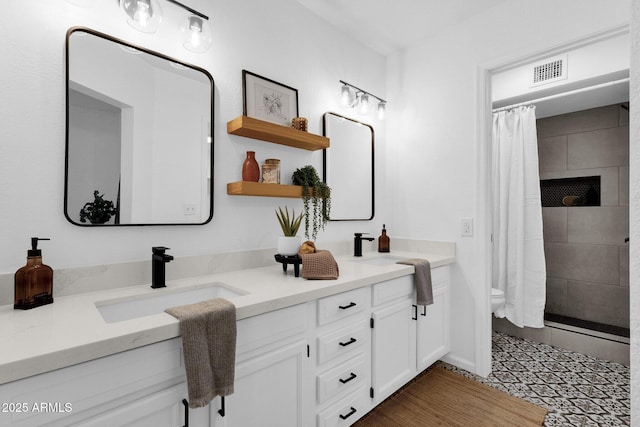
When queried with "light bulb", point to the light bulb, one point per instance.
{"points": [[382, 107], [143, 15], [348, 97], [196, 35], [364, 104]]}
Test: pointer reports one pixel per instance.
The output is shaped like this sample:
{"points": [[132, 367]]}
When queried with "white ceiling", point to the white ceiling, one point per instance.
{"points": [[389, 25]]}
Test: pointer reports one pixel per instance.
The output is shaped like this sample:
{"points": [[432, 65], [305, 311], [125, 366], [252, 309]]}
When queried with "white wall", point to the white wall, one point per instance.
{"points": [[434, 93], [278, 39]]}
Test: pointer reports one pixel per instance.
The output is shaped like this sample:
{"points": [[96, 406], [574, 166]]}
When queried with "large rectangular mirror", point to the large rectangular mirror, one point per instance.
{"points": [[139, 145], [348, 168]]}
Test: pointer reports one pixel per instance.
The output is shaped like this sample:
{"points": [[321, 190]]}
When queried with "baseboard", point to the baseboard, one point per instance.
{"points": [[460, 362]]}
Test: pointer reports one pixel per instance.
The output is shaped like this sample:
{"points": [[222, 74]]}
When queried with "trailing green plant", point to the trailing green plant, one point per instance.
{"points": [[99, 211], [289, 223], [316, 197]]}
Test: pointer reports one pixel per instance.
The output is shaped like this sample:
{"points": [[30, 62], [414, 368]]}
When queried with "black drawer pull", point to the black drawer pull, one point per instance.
{"points": [[424, 311], [415, 312], [351, 341], [344, 307], [351, 377], [351, 412]]}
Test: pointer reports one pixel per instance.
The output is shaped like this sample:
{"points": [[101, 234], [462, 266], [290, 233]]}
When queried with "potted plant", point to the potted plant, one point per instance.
{"points": [[99, 211], [289, 243], [316, 194]]}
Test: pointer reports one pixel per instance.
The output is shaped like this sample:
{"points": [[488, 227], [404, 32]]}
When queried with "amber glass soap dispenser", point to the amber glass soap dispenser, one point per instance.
{"points": [[383, 240], [33, 282]]}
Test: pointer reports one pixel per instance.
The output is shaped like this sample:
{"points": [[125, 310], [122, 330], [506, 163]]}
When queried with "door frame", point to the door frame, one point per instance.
{"points": [[483, 246]]}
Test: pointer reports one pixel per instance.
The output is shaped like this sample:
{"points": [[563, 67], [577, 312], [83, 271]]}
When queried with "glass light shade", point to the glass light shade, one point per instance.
{"points": [[143, 15], [382, 107], [196, 35], [364, 104], [348, 96]]}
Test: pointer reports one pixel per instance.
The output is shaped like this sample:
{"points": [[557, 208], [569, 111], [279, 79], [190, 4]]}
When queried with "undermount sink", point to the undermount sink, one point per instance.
{"points": [[381, 260], [156, 301]]}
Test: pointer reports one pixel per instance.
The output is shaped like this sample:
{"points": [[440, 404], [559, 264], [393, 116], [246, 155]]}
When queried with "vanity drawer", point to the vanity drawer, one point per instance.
{"points": [[347, 411], [259, 332], [346, 376], [342, 341], [342, 305], [392, 289]]}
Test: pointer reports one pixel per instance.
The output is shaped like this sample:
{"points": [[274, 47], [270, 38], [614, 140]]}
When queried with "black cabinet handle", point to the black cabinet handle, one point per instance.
{"points": [[222, 411], [344, 307], [351, 341], [186, 412], [351, 377], [415, 312], [424, 311], [351, 412]]}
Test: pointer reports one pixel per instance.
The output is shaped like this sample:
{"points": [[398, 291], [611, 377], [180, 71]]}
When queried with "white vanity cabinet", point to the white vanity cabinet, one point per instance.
{"points": [[145, 386], [272, 378], [406, 338], [432, 326]]}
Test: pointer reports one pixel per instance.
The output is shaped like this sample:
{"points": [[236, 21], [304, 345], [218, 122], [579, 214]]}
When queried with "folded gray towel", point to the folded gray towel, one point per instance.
{"points": [[208, 330], [422, 278]]}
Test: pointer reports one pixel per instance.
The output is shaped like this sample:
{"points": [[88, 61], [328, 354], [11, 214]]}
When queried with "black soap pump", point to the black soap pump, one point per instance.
{"points": [[33, 283], [383, 240]]}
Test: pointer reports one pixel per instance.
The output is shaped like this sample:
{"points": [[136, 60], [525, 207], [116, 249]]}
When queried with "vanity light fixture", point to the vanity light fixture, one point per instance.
{"points": [[146, 16], [143, 15], [352, 96], [196, 35]]}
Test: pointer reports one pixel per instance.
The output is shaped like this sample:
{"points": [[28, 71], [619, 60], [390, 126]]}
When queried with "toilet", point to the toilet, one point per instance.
{"points": [[497, 299]]}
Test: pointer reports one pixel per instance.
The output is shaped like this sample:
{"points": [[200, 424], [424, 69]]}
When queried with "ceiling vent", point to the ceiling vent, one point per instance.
{"points": [[549, 71]]}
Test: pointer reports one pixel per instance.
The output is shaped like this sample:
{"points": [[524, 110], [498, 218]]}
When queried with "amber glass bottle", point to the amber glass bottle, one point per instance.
{"points": [[383, 240], [33, 283]]}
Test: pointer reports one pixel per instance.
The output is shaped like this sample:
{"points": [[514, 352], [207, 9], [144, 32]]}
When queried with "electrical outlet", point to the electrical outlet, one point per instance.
{"points": [[466, 227], [189, 209]]}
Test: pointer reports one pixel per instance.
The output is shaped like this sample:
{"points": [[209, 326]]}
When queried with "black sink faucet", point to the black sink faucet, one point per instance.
{"points": [[357, 243], [158, 261]]}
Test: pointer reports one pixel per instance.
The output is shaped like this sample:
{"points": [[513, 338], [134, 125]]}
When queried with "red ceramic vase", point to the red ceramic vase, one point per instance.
{"points": [[250, 168]]}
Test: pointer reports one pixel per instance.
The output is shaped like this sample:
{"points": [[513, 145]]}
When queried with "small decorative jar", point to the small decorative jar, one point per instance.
{"points": [[271, 171], [250, 168]]}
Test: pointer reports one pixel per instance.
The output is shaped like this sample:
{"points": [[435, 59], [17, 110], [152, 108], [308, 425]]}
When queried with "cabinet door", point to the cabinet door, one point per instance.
{"points": [[433, 329], [272, 389], [163, 408], [393, 346]]}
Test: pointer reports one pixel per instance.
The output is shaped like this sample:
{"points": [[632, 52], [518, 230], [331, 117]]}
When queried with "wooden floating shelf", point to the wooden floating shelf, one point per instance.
{"points": [[249, 188], [278, 134]]}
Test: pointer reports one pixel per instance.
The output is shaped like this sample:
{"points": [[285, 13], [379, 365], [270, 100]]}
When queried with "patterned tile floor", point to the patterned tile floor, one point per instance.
{"points": [[576, 389]]}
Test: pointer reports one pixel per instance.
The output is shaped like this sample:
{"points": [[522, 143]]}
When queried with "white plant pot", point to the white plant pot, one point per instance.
{"points": [[289, 245]]}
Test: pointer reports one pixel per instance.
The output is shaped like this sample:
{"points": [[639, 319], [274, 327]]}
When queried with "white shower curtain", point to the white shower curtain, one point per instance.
{"points": [[518, 253]]}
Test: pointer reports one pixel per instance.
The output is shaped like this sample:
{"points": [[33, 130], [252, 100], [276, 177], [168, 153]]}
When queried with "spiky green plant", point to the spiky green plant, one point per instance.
{"points": [[289, 223]]}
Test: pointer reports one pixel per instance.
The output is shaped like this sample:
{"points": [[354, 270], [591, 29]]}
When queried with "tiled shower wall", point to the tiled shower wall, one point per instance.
{"points": [[587, 257]]}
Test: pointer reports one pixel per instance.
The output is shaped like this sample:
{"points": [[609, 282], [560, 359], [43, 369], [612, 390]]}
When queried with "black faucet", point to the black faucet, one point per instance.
{"points": [[357, 243], [158, 261]]}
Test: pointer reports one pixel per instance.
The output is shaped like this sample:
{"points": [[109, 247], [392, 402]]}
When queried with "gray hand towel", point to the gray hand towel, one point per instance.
{"points": [[422, 278], [208, 330]]}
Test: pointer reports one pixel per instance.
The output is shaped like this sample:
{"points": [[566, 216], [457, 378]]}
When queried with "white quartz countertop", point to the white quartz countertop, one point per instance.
{"points": [[71, 330]]}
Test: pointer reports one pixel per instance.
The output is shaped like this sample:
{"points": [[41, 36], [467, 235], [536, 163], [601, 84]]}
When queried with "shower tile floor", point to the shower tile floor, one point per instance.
{"points": [[576, 389]]}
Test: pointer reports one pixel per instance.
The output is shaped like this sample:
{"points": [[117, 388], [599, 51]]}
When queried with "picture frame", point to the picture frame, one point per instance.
{"points": [[268, 100]]}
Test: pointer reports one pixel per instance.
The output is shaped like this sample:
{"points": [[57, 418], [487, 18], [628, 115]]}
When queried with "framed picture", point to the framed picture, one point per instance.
{"points": [[268, 100]]}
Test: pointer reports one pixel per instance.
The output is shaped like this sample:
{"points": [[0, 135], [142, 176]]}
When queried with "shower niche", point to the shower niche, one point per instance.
{"points": [[579, 191]]}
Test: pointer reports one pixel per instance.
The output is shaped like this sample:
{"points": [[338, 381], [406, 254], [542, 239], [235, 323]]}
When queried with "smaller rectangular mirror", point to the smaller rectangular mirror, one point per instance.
{"points": [[139, 135], [348, 168]]}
